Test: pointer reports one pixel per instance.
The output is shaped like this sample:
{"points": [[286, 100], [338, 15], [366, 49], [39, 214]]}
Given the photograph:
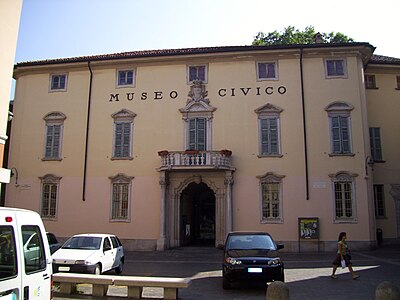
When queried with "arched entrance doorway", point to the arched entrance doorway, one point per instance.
{"points": [[197, 218]]}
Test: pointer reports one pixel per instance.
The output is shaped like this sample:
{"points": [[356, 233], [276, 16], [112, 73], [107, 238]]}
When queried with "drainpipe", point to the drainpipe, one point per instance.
{"points": [[304, 124], [87, 134]]}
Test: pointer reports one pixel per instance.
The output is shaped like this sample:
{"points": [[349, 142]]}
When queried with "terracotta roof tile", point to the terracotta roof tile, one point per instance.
{"points": [[385, 60], [183, 51]]}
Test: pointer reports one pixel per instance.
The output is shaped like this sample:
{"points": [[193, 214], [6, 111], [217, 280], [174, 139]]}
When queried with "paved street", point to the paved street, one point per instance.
{"points": [[307, 274]]}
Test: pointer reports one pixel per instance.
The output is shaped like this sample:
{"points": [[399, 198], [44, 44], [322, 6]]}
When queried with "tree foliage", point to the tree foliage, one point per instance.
{"points": [[292, 36]]}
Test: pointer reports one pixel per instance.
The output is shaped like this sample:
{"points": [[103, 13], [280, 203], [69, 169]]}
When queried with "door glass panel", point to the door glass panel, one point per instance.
{"points": [[8, 258]]}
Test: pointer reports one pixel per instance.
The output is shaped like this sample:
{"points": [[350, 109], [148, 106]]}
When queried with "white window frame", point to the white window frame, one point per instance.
{"points": [[58, 89], [188, 67], [121, 180], [127, 117], [333, 76], [269, 62], [130, 85], [344, 177], [271, 178], [342, 110], [265, 112], [53, 119], [53, 181]]}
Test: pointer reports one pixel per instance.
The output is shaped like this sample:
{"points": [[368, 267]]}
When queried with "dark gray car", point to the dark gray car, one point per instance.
{"points": [[251, 256]]}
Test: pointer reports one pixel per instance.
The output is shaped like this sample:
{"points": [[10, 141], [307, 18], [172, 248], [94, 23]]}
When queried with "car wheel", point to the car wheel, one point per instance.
{"points": [[120, 267], [97, 270], [226, 284]]}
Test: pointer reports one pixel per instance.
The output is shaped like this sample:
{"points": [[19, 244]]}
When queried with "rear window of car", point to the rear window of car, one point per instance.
{"points": [[247, 242], [8, 258]]}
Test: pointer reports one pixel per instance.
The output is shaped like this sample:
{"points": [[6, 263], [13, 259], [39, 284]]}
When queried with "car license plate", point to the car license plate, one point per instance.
{"points": [[63, 269], [254, 270]]}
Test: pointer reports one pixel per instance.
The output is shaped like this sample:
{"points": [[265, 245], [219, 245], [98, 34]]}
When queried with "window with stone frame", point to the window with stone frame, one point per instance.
{"points": [[126, 77], [197, 116], [335, 68], [54, 124], [197, 73], [121, 197], [343, 184], [267, 70], [58, 82], [339, 114], [271, 197], [123, 133], [49, 196], [379, 199], [269, 130], [370, 82]]}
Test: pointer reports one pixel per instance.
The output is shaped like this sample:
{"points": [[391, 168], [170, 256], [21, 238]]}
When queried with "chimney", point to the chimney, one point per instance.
{"points": [[318, 39]]}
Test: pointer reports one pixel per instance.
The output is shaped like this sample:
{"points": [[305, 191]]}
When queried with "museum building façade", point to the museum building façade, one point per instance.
{"points": [[172, 148]]}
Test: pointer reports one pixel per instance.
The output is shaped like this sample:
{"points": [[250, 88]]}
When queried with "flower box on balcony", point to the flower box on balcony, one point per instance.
{"points": [[192, 151], [163, 152], [226, 152]]}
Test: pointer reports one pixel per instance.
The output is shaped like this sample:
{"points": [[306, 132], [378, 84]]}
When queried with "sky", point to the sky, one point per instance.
{"points": [[70, 28]]}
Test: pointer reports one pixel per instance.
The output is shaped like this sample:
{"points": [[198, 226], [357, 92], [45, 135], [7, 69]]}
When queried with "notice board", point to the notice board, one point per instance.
{"points": [[309, 228]]}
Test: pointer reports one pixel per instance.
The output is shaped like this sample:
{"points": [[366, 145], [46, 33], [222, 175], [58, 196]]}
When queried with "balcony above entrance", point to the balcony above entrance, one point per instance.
{"points": [[195, 160]]}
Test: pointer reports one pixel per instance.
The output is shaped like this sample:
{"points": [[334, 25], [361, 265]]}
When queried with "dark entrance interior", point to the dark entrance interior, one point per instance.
{"points": [[197, 215]]}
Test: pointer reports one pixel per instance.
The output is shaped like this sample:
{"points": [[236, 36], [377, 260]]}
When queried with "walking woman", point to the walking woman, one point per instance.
{"points": [[343, 257]]}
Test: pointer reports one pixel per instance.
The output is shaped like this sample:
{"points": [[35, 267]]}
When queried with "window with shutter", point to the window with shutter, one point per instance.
{"points": [[123, 127], [340, 135], [53, 135], [375, 143], [197, 134]]}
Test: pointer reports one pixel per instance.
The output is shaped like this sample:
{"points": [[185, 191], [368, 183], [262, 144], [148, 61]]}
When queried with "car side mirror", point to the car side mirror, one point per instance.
{"points": [[280, 246]]}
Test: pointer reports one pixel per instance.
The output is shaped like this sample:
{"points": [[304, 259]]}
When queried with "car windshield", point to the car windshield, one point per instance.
{"points": [[83, 242], [251, 241]]}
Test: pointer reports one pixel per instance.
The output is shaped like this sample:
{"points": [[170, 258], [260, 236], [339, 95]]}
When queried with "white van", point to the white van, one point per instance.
{"points": [[25, 259]]}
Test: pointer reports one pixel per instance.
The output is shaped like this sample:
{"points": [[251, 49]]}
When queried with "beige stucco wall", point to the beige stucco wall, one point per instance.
{"points": [[158, 125], [383, 108]]}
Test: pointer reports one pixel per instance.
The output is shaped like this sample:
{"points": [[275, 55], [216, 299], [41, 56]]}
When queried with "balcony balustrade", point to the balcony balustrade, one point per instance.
{"points": [[193, 159]]}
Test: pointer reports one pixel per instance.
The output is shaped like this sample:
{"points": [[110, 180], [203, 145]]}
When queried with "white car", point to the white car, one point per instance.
{"points": [[89, 253]]}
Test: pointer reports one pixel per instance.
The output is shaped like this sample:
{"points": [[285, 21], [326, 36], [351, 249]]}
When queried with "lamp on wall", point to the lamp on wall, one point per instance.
{"points": [[369, 162], [14, 171]]}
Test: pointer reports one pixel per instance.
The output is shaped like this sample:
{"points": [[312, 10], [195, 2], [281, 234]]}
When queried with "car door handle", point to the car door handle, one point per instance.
{"points": [[46, 276]]}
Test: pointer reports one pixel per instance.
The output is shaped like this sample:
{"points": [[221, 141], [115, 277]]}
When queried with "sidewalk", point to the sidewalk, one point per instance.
{"points": [[307, 274]]}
